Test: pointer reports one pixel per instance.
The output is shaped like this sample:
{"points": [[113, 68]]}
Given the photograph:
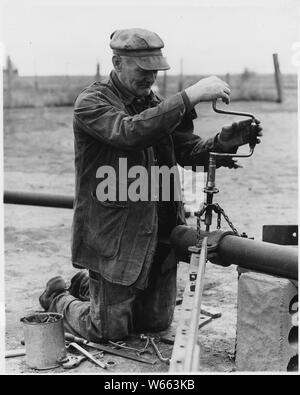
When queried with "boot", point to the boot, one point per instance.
{"points": [[54, 287]]}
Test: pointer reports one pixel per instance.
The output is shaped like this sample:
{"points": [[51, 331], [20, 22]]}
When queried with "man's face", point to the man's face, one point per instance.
{"points": [[135, 79]]}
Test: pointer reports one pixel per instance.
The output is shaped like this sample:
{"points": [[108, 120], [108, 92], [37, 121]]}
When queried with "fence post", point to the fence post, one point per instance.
{"points": [[98, 72], [180, 82], [278, 78]]}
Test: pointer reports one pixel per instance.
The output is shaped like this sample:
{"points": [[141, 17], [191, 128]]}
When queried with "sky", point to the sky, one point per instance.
{"points": [[61, 37]]}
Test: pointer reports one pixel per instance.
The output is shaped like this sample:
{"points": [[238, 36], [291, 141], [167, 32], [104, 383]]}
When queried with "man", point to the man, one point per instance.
{"points": [[131, 284]]}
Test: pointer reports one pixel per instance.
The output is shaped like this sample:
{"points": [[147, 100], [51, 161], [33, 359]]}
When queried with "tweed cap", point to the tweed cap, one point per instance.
{"points": [[142, 45]]}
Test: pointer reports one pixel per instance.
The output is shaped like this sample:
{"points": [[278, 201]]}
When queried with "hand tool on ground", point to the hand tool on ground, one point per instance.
{"points": [[73, 361], [88, 355], [107, 349], [15, 353], [146, 348], [120, 344], [152, 342], [158, 353]]}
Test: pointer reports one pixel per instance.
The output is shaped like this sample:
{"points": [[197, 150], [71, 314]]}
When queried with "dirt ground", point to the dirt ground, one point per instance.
{"points": [[38, 150]]}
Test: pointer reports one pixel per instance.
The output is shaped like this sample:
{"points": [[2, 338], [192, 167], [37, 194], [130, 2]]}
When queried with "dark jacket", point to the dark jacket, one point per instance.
{"points": [[118, 238]]}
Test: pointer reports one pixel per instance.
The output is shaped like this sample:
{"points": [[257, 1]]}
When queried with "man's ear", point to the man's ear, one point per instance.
{"points": [[117, 62]]}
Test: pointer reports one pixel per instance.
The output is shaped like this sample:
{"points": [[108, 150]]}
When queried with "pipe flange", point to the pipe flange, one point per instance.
{"points": [[213, 242]]}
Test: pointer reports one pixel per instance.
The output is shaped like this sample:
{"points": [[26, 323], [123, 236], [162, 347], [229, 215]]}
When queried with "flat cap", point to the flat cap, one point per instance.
{"points": [[143, 45]]}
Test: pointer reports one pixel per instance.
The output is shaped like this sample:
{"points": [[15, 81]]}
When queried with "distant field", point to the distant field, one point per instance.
{"points": [[56, 91]]}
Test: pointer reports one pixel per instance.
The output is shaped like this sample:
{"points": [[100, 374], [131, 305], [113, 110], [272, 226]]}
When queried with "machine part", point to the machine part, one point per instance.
{"points": [[38, 199], [88, 355], [183, 237], [273, 259], [15, 353], [107, 349], [186, 350], [208, 207], [120, 344], [110, 363]]}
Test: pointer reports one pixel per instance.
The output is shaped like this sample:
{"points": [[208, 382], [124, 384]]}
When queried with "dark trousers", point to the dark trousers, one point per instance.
{"points": [[109, 311]]}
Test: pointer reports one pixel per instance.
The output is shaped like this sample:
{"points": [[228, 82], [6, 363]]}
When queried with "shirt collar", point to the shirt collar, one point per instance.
{"points": [[125, 94]]}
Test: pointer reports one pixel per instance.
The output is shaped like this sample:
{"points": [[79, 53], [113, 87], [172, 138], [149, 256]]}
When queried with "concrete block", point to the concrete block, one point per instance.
{"points": [[267, 324]]}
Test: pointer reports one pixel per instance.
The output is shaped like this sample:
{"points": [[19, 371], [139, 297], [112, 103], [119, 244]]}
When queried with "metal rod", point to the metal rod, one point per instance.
{"points": [[38, 199]]}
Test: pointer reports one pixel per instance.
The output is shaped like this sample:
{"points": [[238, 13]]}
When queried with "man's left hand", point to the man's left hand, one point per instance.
{"points": [[239, 133]]}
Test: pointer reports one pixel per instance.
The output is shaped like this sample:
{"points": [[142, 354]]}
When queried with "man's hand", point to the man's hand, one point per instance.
{"points": [[239, 133], [208, 89]]}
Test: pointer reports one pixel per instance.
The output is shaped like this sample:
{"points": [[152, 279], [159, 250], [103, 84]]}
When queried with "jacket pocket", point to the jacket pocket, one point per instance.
{"points": [[105, 226]]}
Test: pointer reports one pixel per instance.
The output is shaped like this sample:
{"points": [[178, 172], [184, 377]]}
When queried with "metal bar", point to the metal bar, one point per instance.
{"points": [[38, 199], [273, 259], [186, 351], [15, 353], [196, 311]]}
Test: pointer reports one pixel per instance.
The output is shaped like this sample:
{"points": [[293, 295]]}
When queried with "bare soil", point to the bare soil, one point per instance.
{"points": [[38, 146]]}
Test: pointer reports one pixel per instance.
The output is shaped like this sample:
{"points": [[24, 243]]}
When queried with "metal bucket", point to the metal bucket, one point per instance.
{"points": [[44, 340]]}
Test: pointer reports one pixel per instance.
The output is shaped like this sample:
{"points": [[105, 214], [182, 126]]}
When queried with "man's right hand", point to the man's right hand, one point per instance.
{"points": [[208, 89]]}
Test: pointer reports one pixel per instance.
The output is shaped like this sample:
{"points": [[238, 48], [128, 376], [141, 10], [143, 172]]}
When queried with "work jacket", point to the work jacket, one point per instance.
{"points": [[117, 237]]}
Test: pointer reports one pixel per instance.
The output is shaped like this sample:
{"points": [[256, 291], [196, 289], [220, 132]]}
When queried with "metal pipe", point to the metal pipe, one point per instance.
{"points": [[250, 254], [38, 199], [260, 256]]}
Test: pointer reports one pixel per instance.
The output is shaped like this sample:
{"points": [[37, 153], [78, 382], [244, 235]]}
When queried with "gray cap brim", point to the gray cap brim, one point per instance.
{"points": [[155, 62]]}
